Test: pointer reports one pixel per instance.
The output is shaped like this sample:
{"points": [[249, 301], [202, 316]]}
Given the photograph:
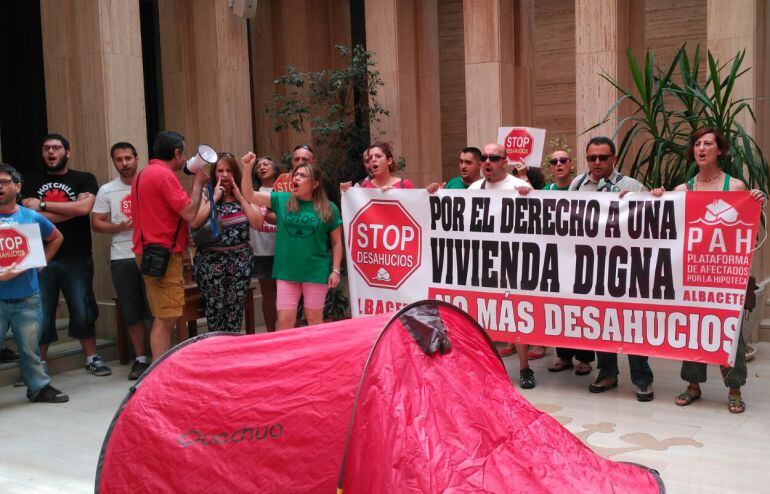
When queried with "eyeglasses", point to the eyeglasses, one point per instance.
{"points": [[53, 147], [562, 161], [600, 157], [492, 158], [4, 182]]}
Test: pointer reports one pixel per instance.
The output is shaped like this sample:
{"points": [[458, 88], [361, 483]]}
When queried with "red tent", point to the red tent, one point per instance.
{"points": [[418, 401]]}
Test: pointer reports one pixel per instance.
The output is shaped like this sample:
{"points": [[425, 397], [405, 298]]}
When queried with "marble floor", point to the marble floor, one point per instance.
{"points": [[702, 448]]}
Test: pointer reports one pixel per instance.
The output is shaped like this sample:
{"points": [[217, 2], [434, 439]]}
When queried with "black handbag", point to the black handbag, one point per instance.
{"points": [[210, 232], [155, 257]]}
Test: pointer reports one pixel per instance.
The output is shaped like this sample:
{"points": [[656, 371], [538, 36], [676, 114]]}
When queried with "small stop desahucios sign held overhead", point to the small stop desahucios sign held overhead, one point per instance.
{"points": [[385, 244], [22, 245], [523, 144]]}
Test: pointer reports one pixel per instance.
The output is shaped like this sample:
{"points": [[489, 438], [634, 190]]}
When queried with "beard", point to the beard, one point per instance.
{"points": [[58, 166], [127, 172]]}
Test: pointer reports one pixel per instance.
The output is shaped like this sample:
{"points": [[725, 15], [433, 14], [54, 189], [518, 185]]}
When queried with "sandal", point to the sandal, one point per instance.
{"points": [[508, 350], [536, 352], [686, 398], [736, 404], [561, 365], [583, 369]]}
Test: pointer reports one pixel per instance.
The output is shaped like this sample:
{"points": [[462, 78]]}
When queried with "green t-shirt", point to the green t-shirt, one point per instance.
{"points": [[553, 186], [301, 241], [455, 183]]}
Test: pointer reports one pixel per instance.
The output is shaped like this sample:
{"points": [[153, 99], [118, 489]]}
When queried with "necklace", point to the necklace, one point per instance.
{"points": [[711, 179]]}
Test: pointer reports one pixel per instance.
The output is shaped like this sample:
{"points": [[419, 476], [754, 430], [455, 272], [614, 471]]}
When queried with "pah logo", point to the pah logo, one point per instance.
{"points": [[719, 229], [718, 242]]}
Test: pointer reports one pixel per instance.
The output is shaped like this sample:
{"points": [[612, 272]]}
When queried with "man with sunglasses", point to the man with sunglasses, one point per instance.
{"points": [[602, 177], [493, 161]]}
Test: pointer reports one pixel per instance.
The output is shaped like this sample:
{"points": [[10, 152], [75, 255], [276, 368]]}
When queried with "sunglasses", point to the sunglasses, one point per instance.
{"points": [[492, 158], [562, 161], [598, 157]]}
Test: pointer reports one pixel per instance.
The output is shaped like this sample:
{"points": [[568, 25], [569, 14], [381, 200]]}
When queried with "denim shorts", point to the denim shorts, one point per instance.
{"points": [[73, 276], [129, 288]]}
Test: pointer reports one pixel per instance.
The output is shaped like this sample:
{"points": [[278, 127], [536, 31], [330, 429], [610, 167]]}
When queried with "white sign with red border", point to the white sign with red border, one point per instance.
{"points": [[523, 144], [639, 275], [21, 244]]}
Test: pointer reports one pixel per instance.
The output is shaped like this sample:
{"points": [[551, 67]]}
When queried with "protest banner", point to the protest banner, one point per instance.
{"points": [[640, 275], [21, 244], [523, 144]]}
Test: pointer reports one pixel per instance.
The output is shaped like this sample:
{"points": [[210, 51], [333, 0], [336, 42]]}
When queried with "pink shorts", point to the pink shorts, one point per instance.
{"points": [[288, 292]]}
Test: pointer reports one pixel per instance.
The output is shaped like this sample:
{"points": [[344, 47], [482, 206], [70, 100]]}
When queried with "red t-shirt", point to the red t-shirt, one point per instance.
{"points": [[404, 183], [156, 208]]}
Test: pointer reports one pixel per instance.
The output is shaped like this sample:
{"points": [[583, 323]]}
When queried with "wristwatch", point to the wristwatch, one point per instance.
{"points": [[43, 205]]}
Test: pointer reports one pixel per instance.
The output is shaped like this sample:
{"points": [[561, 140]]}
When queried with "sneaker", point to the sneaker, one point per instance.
{"points": [[8, 355], [49, 394], [644, 392], [603, 383], [527, 378], [137, 370], [19, 383], [97, 367]]}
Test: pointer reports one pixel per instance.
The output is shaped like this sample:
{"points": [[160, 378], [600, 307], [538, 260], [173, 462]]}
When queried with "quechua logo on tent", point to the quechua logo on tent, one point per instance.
{"points": [[245, 434], [385, 244]]}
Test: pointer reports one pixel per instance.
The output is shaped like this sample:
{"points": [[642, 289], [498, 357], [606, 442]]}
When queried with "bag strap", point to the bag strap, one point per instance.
{"points": [[141, 237], [582, 180]]}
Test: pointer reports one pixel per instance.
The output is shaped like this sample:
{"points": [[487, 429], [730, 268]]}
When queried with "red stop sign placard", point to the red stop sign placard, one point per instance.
{"points": [[14, 246], [385, 244], [518, 145], [283, 183]]}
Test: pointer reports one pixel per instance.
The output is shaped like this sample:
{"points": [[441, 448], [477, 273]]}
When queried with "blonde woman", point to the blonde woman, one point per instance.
{"points": [[307, 222]]}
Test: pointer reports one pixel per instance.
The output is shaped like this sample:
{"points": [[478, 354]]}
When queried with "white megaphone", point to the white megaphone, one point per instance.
{"points": [[206, 156]]}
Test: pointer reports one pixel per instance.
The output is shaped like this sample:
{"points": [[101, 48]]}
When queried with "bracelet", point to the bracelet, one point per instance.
{"points": [[336, 270]]}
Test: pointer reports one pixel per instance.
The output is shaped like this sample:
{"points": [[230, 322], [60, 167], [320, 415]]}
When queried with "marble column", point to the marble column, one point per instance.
{"points": [[404, 37]]}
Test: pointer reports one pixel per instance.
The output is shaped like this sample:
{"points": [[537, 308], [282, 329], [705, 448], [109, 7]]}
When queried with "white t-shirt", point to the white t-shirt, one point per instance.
{"points": [[508, 183], [114, 198], [263, 240]]}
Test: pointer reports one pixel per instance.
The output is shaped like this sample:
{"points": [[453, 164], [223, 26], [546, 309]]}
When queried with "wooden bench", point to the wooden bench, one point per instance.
{"points": [[187, 325]]}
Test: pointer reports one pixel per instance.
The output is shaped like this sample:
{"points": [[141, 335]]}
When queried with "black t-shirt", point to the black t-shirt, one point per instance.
{"points": [[64, 188]]}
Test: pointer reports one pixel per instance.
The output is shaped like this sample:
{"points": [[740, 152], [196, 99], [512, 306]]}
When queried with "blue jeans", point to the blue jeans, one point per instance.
{"points": [[25, 317], [74, 276], [641, 373]]}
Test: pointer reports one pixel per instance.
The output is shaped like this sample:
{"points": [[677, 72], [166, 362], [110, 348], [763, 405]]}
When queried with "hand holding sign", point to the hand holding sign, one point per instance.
{"points": [[9, 273]]}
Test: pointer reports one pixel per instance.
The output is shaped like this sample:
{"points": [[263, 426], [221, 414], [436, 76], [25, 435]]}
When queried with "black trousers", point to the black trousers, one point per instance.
{"points": [[584, 356]]}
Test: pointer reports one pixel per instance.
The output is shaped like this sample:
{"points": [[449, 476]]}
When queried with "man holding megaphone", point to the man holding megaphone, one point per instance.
{"points": [[161, 209]]}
